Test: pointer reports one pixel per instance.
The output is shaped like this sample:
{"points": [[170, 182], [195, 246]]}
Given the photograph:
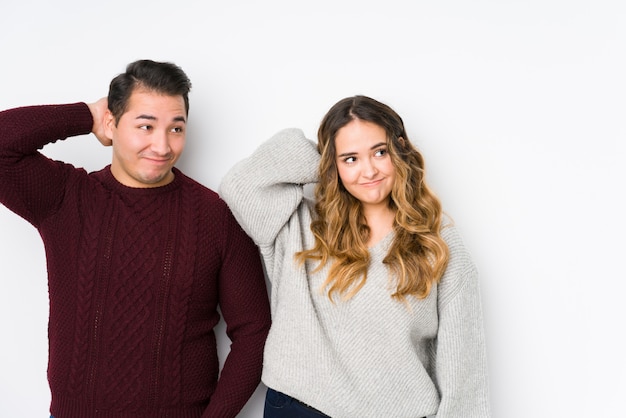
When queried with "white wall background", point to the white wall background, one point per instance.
{"points": [[518, 106]]}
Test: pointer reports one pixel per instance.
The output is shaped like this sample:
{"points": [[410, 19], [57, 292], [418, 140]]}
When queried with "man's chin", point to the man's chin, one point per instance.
{"points": [[157, 180]]}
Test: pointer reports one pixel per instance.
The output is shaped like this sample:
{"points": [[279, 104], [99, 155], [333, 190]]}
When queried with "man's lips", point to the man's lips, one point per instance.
{"points": [[157, 160]]}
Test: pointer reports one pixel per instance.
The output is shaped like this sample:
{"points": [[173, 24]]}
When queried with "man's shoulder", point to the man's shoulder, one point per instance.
{"points": [[199, 190]]}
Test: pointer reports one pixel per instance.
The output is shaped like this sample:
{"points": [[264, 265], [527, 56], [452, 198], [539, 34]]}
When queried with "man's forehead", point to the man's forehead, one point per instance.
{"points": [[151, 105]]}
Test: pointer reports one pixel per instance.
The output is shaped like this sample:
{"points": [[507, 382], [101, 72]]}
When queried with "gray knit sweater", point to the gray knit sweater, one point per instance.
{"points": [[370, 356]]}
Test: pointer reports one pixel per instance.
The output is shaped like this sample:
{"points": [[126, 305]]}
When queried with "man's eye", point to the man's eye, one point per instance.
{"points": [[177, 129], [145, 127]]}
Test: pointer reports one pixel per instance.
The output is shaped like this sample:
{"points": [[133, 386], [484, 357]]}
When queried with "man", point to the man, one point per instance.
{"points": [[139, 258]]}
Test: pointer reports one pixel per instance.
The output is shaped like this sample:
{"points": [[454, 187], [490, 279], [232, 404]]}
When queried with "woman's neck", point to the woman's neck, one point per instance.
{"points": [[380, 221]]}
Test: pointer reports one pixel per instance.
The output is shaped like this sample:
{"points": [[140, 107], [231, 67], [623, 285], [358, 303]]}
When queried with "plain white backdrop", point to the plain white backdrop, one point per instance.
{"points": [[518, 106]]}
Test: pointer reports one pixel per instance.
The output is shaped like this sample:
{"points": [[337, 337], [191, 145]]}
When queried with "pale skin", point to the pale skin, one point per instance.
{"points": [[147, 140], [367, 173]]}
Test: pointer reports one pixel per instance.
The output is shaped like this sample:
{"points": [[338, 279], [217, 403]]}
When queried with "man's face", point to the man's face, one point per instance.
{"points": [[148, 139]]}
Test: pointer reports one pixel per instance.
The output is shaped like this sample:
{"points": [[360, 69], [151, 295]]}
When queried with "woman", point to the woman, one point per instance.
{"points": [[375, 300]]}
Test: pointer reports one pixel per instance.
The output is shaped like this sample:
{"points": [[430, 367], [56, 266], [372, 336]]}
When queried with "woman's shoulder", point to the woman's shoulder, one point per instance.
{"points": [[461, 269], [452, 236]]}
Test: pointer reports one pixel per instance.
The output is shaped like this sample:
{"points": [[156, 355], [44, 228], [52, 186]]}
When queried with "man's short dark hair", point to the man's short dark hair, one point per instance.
{"points": [[160, 77]]}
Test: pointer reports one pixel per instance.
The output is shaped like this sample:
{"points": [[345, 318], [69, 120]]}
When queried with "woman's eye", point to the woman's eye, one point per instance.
{"points": [[349, 160], [381, 152]]}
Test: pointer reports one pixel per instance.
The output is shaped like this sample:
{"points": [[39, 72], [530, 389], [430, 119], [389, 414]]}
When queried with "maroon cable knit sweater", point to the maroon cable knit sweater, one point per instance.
{"points": [[135, 279]]}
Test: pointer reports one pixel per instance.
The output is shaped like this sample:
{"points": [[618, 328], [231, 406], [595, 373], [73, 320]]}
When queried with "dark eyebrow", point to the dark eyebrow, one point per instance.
{"points": [[349, 154], [150, 117], [346, 154]]}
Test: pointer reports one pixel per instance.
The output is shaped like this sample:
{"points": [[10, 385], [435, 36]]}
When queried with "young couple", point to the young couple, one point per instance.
{"points": [[375, 306]]}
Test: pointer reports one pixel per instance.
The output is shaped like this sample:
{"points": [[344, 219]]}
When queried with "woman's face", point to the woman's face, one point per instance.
{"points": [[364, 163]]}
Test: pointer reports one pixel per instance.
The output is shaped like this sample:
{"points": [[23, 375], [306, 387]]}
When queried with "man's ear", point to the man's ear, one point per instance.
{"points": [[109, 124]]}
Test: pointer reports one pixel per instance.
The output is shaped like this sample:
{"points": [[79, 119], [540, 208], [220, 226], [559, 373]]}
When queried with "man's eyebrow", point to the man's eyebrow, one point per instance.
{"points": [[150, 117]]}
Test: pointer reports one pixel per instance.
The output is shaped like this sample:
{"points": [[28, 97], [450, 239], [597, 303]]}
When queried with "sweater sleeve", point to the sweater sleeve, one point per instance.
{"points": [[265, 189], [461, 361], [32, 185], [245, 307]]}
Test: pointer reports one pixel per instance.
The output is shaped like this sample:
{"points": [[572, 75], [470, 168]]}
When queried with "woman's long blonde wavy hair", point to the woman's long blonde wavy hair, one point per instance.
{"points": [[418, 255]]}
